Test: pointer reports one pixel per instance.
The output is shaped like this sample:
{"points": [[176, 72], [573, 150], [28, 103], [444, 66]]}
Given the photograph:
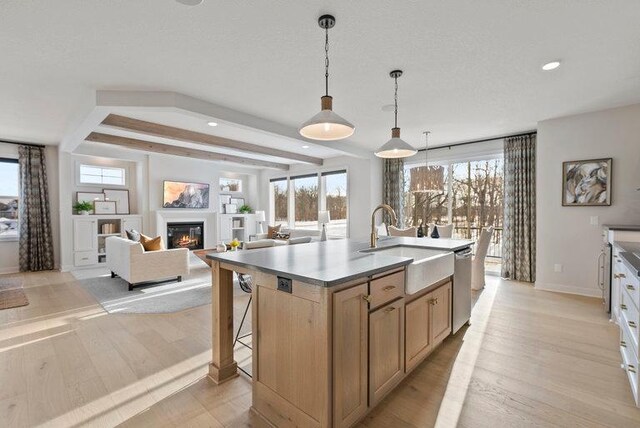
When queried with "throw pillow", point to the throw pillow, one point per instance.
{"points": [[151, 244], [272, 231], [282, 235], [133, 235]]}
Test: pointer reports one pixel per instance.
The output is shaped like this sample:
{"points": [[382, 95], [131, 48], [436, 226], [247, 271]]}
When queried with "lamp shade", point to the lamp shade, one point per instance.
{"points": [[260, 216], [396, 147], [326, 125], [323, 217]]}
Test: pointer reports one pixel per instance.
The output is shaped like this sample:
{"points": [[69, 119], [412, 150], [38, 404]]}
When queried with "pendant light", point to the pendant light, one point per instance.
{"points": [[396, 147], [326, 125]]}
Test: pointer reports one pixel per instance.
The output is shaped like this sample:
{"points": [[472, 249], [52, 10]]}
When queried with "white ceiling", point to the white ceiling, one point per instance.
{"points": [[472, 68]]}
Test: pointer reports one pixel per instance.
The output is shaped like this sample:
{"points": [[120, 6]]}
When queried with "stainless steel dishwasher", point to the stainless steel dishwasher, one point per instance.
{"points": [[461, 289]]}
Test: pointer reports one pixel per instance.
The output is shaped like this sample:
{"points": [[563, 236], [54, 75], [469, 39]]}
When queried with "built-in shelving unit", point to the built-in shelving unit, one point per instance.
{"points": [[90, 233]]}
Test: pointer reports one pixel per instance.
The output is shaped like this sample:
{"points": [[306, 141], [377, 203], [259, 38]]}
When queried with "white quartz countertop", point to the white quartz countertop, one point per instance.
{"points": [[332, 262]]}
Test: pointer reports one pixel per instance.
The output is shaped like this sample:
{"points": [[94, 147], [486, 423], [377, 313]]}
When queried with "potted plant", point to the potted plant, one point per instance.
{"points": [[245, 209], [83, 207]]}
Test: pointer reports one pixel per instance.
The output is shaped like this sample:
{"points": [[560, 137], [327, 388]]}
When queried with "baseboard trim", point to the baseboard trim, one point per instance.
{"points": [[13, 269], [568, 289]]}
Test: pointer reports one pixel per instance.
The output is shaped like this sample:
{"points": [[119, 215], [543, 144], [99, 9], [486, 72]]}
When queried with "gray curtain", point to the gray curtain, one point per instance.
{"points": [[519, 236], [36, 247], [393, 187]]}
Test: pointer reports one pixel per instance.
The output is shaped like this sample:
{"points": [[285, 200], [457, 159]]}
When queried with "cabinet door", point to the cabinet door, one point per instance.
{"points": [[418, 335], [225, 228], [85, 235], [131, 223], [350, 334], [386, 349], [440, 313]]}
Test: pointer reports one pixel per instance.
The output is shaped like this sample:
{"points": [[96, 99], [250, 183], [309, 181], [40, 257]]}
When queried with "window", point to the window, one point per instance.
{"points": [[468, 194], [9, 179], [334, 189], [305, 201], [279, 201], [230, 184], [295, 201], [94, 174]]}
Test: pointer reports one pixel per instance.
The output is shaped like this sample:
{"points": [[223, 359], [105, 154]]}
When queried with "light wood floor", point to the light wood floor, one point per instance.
{"points": [[530, 358]]}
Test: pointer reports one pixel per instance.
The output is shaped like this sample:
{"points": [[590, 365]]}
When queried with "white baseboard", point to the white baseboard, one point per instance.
{"points": [[12, 269], [568, 289]]}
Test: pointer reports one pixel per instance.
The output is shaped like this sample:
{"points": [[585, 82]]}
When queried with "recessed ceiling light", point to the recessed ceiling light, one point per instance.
{"points": [[305, 147], [190, 2], [551, 65], [212, 123]]}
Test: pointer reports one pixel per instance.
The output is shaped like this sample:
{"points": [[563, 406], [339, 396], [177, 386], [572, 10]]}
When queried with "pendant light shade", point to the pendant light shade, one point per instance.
{"points": [[326, 125], [396, 147]]}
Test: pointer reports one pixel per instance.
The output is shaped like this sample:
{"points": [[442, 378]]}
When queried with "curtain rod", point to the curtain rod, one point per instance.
{"points": [[484, 140], [21, 144]]}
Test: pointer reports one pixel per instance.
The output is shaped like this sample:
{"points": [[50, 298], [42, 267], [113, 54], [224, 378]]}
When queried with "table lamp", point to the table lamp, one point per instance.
{"points": [[324, 218]]}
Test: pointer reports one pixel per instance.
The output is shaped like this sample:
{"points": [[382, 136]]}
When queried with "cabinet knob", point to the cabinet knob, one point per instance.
{"points": [[631, 368], [630, 287], [434, 301], [621, 275], [367, 298], [390, 309], [632, 324], [389, 288], [623, 306], [616, 276], [623, 343]]}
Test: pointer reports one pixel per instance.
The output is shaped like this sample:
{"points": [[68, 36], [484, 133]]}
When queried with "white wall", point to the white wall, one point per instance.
{"points": [[364, 182], [199, 171], [9, 249], [564, 234]]}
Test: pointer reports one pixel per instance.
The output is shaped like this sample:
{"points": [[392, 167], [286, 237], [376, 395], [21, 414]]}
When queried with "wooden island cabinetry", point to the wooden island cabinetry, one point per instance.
{"points": [[325, 356], [333, 329]]}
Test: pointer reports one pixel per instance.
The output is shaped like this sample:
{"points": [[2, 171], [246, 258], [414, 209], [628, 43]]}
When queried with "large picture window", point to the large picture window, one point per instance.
{"points": [[468, 194], [295, 201], [9, 182], [279, 201]]}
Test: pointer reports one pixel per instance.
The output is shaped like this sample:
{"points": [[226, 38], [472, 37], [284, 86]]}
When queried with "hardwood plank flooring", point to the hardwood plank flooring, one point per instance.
{"points": [[530, 358]]}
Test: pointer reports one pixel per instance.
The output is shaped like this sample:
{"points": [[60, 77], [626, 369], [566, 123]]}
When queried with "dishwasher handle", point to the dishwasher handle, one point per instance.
{"points": [[464, 254]]}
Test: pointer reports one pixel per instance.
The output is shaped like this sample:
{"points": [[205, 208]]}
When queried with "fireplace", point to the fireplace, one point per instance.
{"points": [[185, 235]]}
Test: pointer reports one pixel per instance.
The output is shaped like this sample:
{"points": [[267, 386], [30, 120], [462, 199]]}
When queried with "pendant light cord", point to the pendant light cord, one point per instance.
{"points": [[326, 61], [396, 102]]}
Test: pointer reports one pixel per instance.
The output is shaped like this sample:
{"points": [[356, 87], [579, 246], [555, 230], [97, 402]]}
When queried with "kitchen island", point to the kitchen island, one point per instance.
{"points": [[333, 329]]}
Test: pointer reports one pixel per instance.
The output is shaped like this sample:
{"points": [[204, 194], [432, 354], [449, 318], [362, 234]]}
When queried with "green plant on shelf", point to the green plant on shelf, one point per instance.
{"points": [[83, 207], [245, 209]]}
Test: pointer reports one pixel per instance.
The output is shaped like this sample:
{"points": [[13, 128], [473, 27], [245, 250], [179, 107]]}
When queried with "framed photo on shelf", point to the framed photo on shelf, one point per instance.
{"points": [[237, 201], [586, 183], [89, 196], [224, 199], [230, 208], [120, 197], [104, 207]]}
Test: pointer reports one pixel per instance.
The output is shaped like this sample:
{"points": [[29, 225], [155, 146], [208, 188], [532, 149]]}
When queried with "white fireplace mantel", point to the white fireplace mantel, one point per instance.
{"points": [[178, 215]]}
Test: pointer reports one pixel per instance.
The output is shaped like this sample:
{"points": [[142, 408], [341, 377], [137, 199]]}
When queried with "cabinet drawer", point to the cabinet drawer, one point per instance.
{"points": [[629, 363], [85, 258], [629, 320], [386, 289], [629, 282]]}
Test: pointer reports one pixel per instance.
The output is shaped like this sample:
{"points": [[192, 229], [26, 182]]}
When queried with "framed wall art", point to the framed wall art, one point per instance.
{"points": [[120, 197], [586, 183]]}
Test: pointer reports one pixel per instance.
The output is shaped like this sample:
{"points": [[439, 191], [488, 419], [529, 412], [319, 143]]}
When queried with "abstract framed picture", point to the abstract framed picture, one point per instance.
{"points": [[104, 207], [121, 198], [586, 183], [177, 194]]}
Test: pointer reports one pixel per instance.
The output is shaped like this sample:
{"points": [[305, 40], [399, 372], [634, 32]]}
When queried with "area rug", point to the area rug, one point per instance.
{"points": [[11, 294], [114, 296]]}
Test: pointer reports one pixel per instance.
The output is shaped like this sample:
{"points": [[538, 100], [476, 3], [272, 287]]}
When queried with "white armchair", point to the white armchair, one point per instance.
{"points": [[128, 260]]}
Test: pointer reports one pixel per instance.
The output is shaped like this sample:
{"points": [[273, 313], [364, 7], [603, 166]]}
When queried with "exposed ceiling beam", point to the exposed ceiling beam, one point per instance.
{"points": [[166, 149], [179, 134]]}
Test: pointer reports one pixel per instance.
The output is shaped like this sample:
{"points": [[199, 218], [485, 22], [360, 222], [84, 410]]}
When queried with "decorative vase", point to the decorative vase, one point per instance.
{"points": [[84, 212], [435, 233], [323, 236]]}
